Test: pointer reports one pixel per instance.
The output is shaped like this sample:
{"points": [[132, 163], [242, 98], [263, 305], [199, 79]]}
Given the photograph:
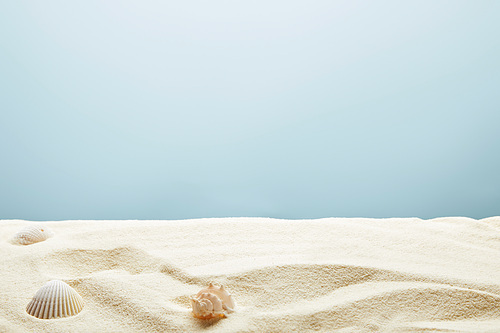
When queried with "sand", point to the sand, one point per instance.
{"points": [[326, 275]]}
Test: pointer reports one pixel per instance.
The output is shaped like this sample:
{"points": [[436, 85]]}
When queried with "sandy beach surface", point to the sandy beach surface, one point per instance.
{"points": [[326, 275]]}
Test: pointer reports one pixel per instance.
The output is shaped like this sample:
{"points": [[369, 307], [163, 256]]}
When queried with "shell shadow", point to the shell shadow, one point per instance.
{"points": [[205, 323]]}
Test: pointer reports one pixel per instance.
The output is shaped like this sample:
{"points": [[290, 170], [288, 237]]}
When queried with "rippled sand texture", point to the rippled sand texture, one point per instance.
{"points": [[329, 275]]}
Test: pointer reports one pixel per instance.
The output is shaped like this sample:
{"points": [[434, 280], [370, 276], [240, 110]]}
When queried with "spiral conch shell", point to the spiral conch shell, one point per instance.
{"points": [[212, 302], [32, 234], [56, 299]]}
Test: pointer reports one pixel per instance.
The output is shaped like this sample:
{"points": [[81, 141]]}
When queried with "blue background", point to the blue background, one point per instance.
{"points": [[286, 109]]}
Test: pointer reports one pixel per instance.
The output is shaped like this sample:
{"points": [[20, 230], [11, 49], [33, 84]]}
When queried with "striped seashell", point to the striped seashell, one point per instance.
{"points": [[212, 302], [32, 234], [56, 299]]}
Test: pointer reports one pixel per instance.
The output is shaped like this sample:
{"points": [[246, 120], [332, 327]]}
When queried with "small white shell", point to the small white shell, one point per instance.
{"points": [[56, 299], [32, 234], [212, 302]]}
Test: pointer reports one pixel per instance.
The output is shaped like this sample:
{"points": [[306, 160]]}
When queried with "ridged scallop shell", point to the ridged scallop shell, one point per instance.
{"points": [[56, 299], [32, 234], [212, 302]]}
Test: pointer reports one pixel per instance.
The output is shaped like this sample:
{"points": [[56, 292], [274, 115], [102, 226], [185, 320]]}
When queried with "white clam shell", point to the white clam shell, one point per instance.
{"points": [[32, 234], [212, 302], [56, 299]]}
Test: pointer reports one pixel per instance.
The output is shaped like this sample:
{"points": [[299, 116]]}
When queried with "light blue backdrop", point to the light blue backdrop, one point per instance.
{"points": [[287, 109]]}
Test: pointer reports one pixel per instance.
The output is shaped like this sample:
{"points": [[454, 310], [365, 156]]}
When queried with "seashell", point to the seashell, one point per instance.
{"points": [[32, 234], [212, 302], [56, 299]]}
